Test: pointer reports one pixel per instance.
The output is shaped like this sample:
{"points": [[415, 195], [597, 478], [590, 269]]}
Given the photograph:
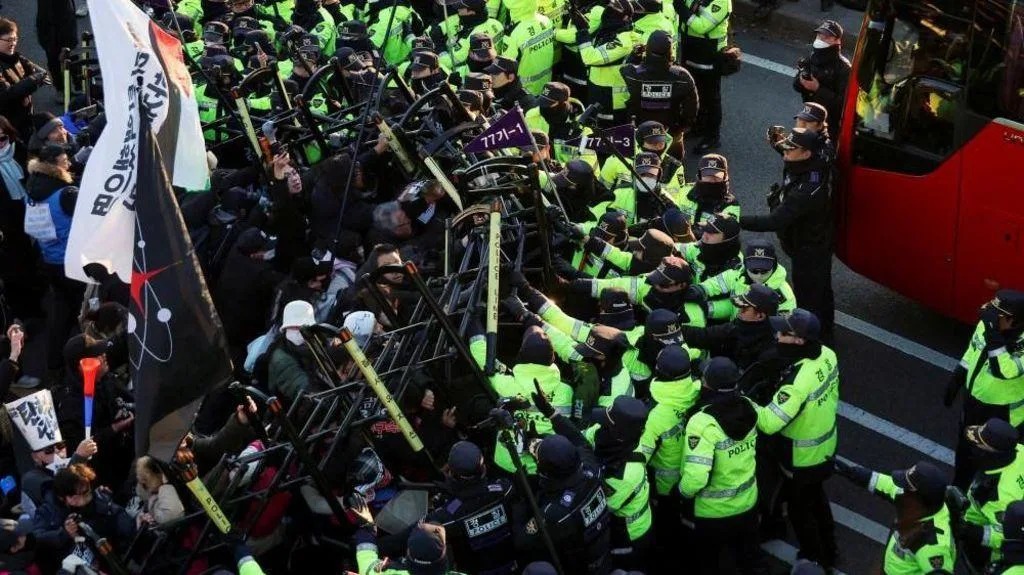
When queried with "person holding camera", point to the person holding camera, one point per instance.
{"points": [[19, 79], [822, 77], [992, 371]]}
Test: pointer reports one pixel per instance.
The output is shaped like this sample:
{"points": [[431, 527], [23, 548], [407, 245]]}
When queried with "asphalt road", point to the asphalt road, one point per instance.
{"points": [[893, 353]]}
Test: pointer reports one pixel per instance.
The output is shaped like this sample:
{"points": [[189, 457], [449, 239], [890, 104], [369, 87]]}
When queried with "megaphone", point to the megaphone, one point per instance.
{"points": [[89, 366]]}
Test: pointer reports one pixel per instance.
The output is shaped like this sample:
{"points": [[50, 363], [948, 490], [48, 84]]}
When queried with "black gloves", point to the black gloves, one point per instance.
{"points": [[989, 317], [517, 280], [581, 286], [956, 381], [541, 401], [515, 307], [855, 473], [695, 294], [594, 245]]}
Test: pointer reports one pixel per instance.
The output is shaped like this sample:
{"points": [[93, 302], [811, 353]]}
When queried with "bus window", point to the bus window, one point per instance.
{"points": [[910, 80], [996, 75], [1011, 95]]}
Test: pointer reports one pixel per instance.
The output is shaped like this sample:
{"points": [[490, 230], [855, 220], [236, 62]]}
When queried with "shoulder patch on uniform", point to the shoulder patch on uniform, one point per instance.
{"points": [[815, 177], [567, 498], [715, 8], [495, 488], [937, 561], [692, 441], [782, 397]]}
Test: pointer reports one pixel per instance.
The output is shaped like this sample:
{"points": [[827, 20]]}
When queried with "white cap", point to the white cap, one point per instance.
{"points": [[297, 313], [36, 419], [361, 324]]}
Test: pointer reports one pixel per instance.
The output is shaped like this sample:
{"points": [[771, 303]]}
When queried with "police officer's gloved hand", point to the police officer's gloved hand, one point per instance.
{"points": [[989, 317], [595, 245], [541, 401], [695, 294], [517, 280], [531, 320], [956, 381], [857, 474], [515, 307], [583, 286], [533, 298], [969, 533], [502, 418]]}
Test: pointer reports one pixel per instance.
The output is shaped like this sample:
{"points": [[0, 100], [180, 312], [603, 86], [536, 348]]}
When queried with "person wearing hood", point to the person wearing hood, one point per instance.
{"points": [[614, 440], [660, 89], [531, 42], [711, 194], [922, 541], [1012, 561], [716, 250], [535, 361], [603, 52], [749, 337], [801, 419], [473, 498], [573, 502], [247, 283], [718, 471], [50, 206], [508, 86], [822, 78], [674, 392], [660, 331], [579, 189], [989, 370], [651, 136], [801, 217], [760, 267]]}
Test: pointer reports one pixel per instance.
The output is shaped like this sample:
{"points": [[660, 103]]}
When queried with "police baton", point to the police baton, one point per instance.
{"points": [[503, 420]]}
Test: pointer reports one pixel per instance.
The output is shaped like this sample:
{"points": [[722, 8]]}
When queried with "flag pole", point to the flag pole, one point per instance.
{"points": [[543, 161]]}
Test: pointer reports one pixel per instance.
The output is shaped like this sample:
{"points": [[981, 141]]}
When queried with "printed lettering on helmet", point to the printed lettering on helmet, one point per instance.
{"points": [[782, 397], [692, 441], [531, 527], [936, 561]]}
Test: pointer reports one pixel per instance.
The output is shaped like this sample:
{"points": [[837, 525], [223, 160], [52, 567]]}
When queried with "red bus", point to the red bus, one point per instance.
{"points": [[932, 151]]}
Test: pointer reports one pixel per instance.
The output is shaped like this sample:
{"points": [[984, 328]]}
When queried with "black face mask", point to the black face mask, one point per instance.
{"points": [[656, 299], [555, 114], [478, 66], [790, 350], [988, 460], [717, 254], [710, 192]]}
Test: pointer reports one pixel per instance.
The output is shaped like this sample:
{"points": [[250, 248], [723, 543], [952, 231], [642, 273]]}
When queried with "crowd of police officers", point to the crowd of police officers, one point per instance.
{"points": [[708, 361]]}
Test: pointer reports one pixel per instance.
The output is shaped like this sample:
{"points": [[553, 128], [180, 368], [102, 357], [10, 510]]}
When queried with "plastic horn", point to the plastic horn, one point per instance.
{"points": [[89, 366], [493, 271], [382, 393]]}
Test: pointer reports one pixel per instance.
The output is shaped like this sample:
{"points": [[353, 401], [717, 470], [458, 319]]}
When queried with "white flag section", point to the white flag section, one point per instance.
{"points": [[137, 60]]}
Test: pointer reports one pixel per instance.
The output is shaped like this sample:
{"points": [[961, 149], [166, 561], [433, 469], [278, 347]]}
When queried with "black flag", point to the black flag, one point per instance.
{"points": [[177, 347]]}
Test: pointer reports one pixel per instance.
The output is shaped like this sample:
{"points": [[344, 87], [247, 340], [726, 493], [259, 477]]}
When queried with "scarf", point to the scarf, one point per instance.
{"points": [[12, 173]]}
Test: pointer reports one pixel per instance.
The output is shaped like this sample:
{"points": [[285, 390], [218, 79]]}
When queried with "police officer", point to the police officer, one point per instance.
{"points": [[990, 370], [579, 189], [922, 540], [1012, 561], [645, 256], [583, 17], [801, 216], [477, 514], [555, 115], [673, 392], [473, 20], [183, 27], [603, 52], [661, 90], [508, 88], [717, 249], [427, 550], [481, 55], [426, 72], [574, 506], [651, 136], [652, 16], [802, 417], [645, 197], [705, 35], [718, 471], [749, 337], [996, 484], [760, 267], [531, 42], [396, 43], [822, 78], [710, 194], [662, 288], [623, 473]]}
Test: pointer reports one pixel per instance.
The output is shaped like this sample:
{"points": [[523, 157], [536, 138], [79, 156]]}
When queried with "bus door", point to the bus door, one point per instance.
{"points": [[990, 249], [905, 167]]}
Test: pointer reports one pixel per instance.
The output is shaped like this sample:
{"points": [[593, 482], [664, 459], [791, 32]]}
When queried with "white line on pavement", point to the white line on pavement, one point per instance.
{"points": [[769, 65], [896, 433], [852, 520], [785, 552], [885, 337]]}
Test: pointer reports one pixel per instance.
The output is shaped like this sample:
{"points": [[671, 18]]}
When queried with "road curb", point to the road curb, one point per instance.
{"points": [[790, 22]]}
